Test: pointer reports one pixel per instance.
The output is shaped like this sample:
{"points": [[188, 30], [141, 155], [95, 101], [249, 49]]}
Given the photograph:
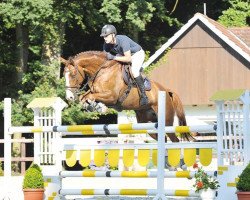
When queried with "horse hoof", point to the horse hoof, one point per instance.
{"points": [[92, 109], [184, 167], [102, 108], [171, 169], [92, 103], [85, 105]]}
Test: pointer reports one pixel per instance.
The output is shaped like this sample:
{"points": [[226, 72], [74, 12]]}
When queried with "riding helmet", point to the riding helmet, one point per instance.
{"points": [[108, 29]]}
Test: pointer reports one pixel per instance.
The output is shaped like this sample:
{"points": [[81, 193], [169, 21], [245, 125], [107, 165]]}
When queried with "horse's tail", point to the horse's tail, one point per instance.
{"points": [[178, 107]]}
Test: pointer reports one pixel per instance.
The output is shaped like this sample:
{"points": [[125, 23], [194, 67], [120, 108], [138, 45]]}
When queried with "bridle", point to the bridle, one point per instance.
{"points": [[81, 87]]}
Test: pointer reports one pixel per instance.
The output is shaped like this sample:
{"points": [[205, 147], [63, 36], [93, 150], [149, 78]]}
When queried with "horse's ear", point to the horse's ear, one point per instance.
{"points": [[62, 60]]}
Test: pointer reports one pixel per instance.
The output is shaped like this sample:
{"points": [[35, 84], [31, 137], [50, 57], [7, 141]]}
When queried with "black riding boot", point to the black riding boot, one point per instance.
{"points": [[143, 96]]}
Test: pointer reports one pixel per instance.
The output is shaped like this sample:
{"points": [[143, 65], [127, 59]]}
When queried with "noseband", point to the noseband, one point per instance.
{"points": [[78, 87]]}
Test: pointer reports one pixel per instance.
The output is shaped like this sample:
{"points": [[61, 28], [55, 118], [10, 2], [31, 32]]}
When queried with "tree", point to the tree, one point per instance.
{"points": [[236, 15], [21, 15]]}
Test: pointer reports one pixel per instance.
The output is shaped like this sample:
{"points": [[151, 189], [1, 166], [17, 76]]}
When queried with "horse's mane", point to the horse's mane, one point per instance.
{"points": [[97, 53], [91, 53]]}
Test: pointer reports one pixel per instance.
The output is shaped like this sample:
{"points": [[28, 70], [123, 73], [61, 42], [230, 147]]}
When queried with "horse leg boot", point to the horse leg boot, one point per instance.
{"points": [[143, 96]]}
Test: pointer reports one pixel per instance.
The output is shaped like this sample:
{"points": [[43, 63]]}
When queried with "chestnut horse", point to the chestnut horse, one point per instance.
{"points": [[106, 85]]}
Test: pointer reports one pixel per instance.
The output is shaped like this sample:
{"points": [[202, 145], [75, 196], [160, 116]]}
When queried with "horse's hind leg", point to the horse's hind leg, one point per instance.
{"points": [[169, 117], [148, 115]]}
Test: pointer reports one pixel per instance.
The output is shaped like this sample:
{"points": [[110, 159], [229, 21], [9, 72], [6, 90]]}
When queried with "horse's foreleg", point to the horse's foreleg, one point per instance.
{"points": [[108, 98]]}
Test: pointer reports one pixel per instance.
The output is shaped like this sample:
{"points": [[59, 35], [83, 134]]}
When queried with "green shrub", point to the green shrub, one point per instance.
{"points": [[244, 180], [33, 178], [1, 170]]}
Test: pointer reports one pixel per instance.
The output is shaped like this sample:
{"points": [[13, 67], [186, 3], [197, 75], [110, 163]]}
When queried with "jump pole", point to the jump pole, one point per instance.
{"points": [[161, 145]]}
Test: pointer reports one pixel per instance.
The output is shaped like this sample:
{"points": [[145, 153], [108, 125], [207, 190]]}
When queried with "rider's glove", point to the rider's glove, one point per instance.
{"points": [[110, 56]]}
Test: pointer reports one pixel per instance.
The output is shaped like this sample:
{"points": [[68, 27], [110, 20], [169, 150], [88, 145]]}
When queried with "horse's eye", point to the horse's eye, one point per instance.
{"points": [[71, 70]]}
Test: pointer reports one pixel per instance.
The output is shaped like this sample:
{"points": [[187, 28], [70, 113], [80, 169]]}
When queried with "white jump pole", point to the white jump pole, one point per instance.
{"points": [[161, 146]]}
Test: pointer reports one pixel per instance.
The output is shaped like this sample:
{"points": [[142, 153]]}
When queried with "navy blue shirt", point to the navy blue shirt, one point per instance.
{"points": [[123, 44]]}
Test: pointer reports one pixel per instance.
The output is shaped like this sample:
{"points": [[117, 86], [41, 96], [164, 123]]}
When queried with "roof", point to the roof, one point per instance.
{"points": [[243, 33], [47, 102], [227, 95], [229, 37]]}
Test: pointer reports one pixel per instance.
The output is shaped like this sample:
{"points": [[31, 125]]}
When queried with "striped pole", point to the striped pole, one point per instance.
{"points": [[88, 129], [111, 129], [134, 192], [131, 174], [168, 129]]}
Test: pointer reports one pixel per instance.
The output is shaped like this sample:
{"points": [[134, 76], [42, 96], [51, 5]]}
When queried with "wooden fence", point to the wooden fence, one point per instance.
{"points": [[22, 158]]}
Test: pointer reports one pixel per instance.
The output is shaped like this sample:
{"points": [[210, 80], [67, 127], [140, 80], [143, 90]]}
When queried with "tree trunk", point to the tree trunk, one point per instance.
{"points": [[135, 34], [51, 50], [22, 39]]}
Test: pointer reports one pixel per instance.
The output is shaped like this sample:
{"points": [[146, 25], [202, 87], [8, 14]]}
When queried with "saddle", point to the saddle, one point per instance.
{"points": [[129, 79], [130, 82]]}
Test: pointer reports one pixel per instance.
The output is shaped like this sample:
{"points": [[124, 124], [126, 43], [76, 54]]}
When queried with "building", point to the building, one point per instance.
{"points": [[204, 57]]}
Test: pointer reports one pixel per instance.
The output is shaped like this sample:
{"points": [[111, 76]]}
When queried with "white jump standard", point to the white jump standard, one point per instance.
{"points": [[233, 127]]}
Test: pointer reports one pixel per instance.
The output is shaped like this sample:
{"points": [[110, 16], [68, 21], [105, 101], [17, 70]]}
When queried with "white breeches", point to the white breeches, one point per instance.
{"points": [[137, 61]]}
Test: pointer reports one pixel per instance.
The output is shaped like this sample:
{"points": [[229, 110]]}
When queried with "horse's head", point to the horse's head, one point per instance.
{"points": [[78, 67], [74, 77]]}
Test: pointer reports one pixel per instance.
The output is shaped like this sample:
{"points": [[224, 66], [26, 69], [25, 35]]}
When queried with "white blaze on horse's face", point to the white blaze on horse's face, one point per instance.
{"points": [[69, 93]]}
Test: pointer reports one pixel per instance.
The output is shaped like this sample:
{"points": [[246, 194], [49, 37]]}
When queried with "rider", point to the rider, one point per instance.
{"points": [[123, 49]]}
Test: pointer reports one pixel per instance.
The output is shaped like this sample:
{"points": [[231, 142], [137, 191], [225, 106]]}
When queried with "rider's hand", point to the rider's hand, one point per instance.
{"points": [[110, 56]]}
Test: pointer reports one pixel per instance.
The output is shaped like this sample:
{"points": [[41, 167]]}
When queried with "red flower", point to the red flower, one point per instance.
{"points": [[199, 184], [195, 165]]}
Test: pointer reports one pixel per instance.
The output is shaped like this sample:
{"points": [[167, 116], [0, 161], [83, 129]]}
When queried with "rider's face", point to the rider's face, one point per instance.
{"points": [[109, 39]]}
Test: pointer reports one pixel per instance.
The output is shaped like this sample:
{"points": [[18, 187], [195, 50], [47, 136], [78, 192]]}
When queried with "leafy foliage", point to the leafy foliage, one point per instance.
{"points": [[40, 81], [203, 180], [1, 169], [33, 178], [138, 13], [244, 180], [237, 14], [25, 12], [110, 8], [74, 114], [163, 59]]}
